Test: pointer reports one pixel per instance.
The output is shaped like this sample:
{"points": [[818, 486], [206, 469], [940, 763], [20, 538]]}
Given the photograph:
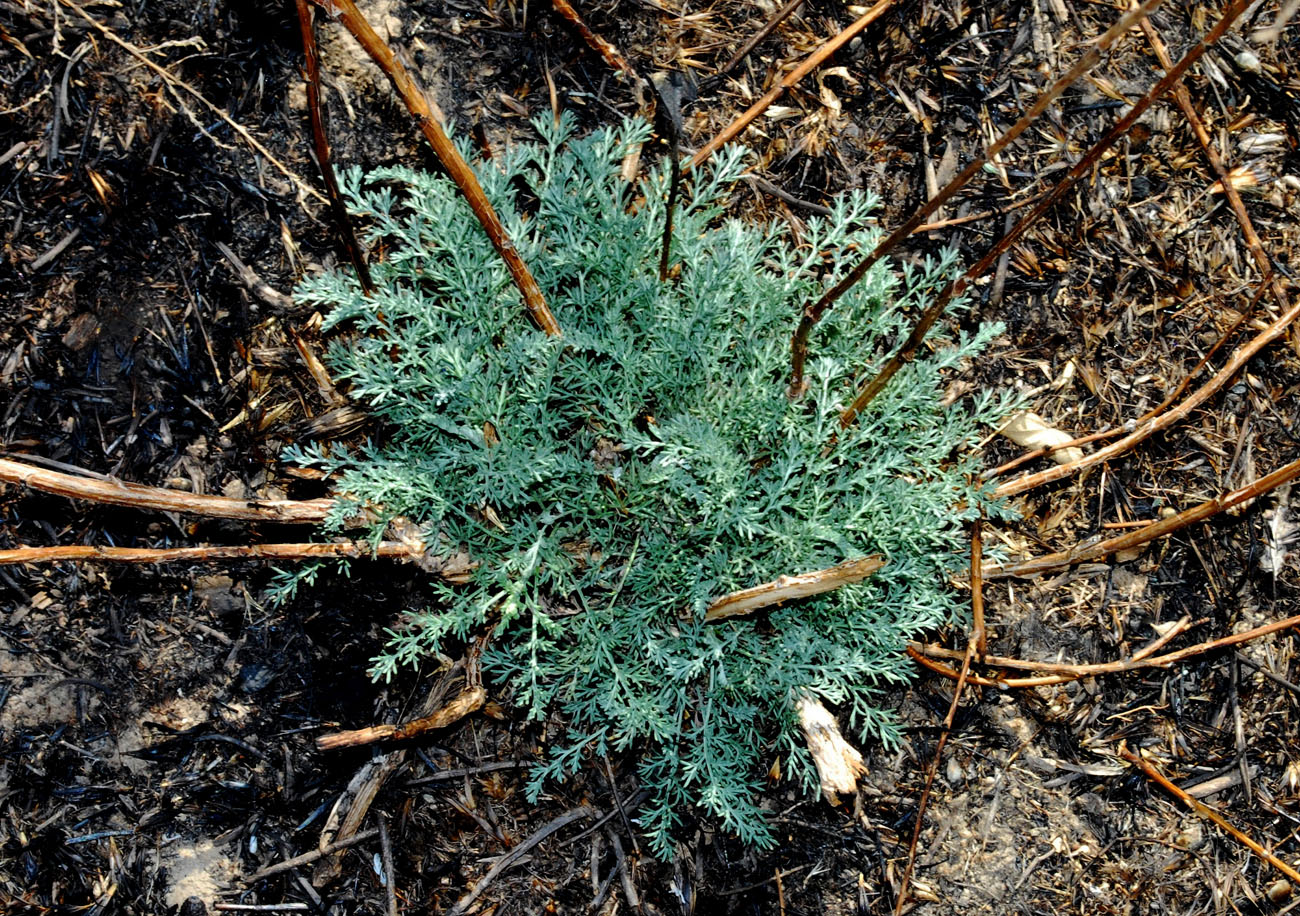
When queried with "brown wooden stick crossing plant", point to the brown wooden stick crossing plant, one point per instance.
{"points": [[418, 105]]}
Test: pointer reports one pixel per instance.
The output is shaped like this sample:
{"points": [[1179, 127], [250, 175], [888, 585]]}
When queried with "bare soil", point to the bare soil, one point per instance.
{"points": [[157, 724]]}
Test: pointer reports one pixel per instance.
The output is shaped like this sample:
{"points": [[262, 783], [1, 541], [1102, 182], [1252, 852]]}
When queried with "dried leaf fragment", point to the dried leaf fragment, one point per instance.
{"points": [[1028, 430], [838, 763]]}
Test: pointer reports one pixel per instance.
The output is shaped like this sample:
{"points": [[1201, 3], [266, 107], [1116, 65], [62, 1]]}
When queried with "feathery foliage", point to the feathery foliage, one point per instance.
{"points": [[612, 482]]}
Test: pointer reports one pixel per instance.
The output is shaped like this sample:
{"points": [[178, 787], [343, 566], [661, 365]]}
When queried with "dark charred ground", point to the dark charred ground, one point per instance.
{"points": [[157, 724]]}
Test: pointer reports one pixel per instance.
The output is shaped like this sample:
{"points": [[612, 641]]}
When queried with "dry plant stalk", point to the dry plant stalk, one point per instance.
{"points": [[1136, 538], [1184, 100], [789, 588], [338, 211], [454, 570], [138, 496], [1063, 673], [768, 28], [1084, 166], [1205, 811], [930, 774], [418, 105], [810, 63], [470, 701], [605, 49], [813, 312]]}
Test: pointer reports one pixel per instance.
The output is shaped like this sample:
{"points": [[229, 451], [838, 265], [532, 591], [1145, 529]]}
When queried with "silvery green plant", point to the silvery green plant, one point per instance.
{"points": [[614, 481]]}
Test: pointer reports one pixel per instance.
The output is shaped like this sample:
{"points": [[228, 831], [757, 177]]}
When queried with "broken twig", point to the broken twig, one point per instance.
{"points": [[468, 702]]}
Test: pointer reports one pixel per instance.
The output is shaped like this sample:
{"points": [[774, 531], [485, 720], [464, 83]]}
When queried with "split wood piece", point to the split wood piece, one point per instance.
{"points": [[788, 588], [1184, 100], [813, 312], [768, 28], [839, 764], [1085, 553], [320, 138], [810, 63], [454, 569], [413, 97], [867, 393], [138, 496], [470, 701], [175, 86], [464, 903], [309, 857], [1204, 810], [926, 656]]}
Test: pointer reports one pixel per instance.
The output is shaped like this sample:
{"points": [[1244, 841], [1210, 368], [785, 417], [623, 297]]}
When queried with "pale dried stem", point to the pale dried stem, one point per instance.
{"points": [[1063, 673], [137, 496], [309, 857], [454, 569]]}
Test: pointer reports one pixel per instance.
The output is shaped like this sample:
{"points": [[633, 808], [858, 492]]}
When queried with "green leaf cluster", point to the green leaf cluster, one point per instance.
{"points": [[614, 481]]}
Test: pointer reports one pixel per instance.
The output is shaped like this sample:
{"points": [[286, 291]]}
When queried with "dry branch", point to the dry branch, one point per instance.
{"points": [[470, 701], [1087, 552], [454, 569], [605, 49], [814, 312], [338, 210], [788, 588], [1162, 421], [1207, 812], [1184, 100], [413, 97], [138, 496], [309, 857], [514, 855], [810, 63], [1083, 167], [933, 770], [768, 28], [978, 630]]}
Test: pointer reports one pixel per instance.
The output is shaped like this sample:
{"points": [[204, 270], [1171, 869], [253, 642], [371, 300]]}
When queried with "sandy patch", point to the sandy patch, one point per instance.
{"points": [[198, 869]]}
